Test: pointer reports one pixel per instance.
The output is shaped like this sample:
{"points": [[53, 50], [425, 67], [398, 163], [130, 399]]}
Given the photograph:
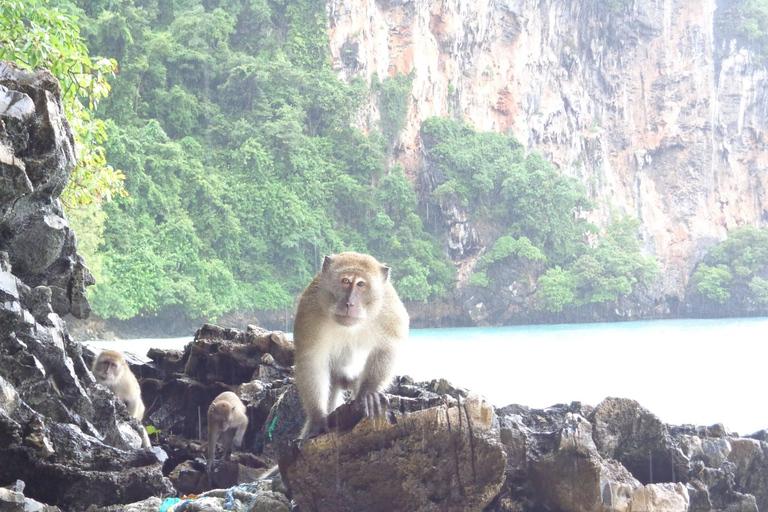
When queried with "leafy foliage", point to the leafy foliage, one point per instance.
{"points": [[490, 175], [537, 215], [746, 21], [735, 272], [394, 95], [604, 273], [234, 136], [36, 36]]}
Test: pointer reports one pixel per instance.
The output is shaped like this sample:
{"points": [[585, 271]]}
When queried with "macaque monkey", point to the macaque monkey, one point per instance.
{"points": [[226, 420], [112, 372], [349, 325]]}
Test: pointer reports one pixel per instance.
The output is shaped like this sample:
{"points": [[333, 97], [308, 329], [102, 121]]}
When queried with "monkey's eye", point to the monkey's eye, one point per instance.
{"points": [[361, 283], [345, 280]]}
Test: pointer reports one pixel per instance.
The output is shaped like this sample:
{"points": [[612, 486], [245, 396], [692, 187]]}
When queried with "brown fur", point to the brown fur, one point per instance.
{"points": [[112, 372], [226, 421], [349, 324]]}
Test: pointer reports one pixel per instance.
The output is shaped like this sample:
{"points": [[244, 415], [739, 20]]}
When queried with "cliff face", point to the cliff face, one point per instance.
{"points": [[628, 99]]}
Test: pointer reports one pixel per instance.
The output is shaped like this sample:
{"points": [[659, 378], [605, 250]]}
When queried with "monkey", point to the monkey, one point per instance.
{"points": [[226, 420], [349, 324], [112, 372]]}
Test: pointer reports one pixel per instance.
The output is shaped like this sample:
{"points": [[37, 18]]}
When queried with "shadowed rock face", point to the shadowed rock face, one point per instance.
{"points": [[37, 153], [68, 439]]}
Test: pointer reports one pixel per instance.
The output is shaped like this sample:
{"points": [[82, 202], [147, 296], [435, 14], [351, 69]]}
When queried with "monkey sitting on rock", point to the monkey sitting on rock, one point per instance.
{"points": [[348, 327], [112, 372]]}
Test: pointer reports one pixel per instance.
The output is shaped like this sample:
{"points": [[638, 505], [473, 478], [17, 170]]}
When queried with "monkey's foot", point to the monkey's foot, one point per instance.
{"points": [[373, 404], [315, 430]]}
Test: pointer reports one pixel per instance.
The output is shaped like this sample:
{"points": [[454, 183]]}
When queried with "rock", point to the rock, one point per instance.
{"points": [[558, 459], [632, 435], [441, 458], [37, 153], [189, 477], [69, 440], [216, 360], [270, 502], [149, 505], [574, 477], [660, 498], [750, 458]]}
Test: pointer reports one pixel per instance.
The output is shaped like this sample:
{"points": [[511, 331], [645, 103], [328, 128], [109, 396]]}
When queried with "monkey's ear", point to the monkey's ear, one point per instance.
{"points": [[327, 261], [385, 272]]}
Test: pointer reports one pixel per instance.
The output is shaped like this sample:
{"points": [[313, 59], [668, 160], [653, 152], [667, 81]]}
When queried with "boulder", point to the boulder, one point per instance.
{"points": [[443, 457]]}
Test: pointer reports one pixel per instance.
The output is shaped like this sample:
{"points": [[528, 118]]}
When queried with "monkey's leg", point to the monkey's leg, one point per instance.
{"points": [[226, 440], [336, 396], [313, 381]]}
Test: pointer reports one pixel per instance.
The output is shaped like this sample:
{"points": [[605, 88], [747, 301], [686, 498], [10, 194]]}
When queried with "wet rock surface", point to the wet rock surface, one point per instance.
{"points": [[37, 153], [65, 437], [444, 457], [619, 456]]}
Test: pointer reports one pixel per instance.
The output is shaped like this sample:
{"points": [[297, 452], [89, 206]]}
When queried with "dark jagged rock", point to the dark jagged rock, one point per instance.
{"points": [[620, 457], [37, 153], [216, 360], [69, 439], [178, 387]]}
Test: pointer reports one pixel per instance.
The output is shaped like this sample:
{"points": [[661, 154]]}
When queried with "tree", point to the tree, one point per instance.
{"points": [[36, 36], [735, 271]]}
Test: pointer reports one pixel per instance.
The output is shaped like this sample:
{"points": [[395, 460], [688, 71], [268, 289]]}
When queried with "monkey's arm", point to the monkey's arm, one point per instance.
{"points": [[375, 379], [135, 408]]}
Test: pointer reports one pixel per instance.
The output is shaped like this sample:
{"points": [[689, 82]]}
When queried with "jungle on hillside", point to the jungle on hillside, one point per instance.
{"points": [[219, 162]]}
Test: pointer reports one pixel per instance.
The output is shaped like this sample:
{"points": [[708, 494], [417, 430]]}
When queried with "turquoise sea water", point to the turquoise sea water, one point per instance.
{"points": [[684, 371]]}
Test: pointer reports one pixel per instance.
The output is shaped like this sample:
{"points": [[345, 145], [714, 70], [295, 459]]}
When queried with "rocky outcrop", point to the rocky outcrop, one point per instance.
{"points": [[65, 437], [625, 96], [37, 153], [438, 447], [178, 387], [444, 457], [620, 457]]}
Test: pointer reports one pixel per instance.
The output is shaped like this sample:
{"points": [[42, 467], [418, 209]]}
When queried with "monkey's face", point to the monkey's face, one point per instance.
{"points": [[108, 370], [222, 412], [355, 293]]}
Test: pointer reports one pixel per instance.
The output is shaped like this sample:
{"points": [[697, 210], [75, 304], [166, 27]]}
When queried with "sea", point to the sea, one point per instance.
{"points": [[693, 371]]}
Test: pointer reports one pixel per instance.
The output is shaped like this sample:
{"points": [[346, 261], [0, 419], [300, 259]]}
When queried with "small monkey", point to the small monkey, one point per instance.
{"points": [[112, 372], [348, 327], [226, 420]]}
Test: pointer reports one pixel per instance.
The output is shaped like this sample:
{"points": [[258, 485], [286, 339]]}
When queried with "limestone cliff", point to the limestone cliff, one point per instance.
{"points": [[626, 96]]}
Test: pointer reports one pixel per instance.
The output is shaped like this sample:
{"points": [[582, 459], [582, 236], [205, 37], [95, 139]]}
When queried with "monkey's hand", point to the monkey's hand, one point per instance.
{"points": [[373, 404]]}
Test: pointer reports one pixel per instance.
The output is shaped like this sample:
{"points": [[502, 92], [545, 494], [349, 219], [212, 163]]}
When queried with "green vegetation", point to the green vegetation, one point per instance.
{"points": [[746, 21], [36, 36], [536, 215], [241, 167], [490, 174], [602, 274], [394, 100], [735, 272]]}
